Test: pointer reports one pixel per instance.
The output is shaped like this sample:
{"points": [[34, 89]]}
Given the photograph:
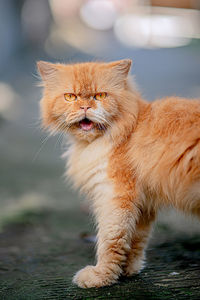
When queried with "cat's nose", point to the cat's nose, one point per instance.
{"points": [[85, 108]]}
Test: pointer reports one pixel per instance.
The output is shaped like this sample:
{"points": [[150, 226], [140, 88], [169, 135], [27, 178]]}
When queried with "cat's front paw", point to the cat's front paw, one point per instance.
{"points": [[93, 276], [134, 268]]}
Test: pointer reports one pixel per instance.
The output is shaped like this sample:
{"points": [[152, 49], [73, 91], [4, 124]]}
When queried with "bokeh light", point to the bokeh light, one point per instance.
{"points": [[99, 15]]}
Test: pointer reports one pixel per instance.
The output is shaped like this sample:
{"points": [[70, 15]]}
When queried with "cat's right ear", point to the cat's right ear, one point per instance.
{"points": [[121, 67], [46, 70]]}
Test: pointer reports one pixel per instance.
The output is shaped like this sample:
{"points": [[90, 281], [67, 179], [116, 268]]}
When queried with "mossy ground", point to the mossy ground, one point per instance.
{"points": [[41, 250]]}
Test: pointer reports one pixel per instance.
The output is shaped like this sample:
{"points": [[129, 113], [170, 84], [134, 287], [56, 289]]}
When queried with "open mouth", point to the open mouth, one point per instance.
{"points": [[86, 124]]}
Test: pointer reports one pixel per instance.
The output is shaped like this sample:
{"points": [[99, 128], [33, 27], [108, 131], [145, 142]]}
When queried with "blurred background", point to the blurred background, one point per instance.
{"points": [[162, 37]]}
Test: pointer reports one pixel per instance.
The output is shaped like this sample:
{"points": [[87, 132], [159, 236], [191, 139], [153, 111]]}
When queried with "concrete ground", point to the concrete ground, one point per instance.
{"points": [[44, 230]]}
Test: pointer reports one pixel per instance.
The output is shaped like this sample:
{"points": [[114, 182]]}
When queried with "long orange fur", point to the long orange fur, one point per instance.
{"points": [[137, 157]]}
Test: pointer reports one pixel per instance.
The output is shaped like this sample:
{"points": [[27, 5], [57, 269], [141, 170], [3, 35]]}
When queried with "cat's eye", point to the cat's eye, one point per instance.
{"points": [[100, 96], [70, 97]]}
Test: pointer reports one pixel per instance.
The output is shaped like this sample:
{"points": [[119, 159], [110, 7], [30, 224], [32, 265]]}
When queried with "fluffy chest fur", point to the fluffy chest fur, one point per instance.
{"points": [[87, 167]]}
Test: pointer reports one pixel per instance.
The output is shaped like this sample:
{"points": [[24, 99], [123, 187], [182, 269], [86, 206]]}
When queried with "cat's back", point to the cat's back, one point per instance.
{"points": [[167, 141], [165, 123], [174, 115]]}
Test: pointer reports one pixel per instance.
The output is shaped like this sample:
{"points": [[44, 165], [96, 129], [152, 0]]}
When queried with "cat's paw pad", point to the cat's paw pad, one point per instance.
{"points": [[92, 276]]}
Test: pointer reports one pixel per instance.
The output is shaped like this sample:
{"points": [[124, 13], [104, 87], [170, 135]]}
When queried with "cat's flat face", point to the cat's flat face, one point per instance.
{"points": [[82, 99]]}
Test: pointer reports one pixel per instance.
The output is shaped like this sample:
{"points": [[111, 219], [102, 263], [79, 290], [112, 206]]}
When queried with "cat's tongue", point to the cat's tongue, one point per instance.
{"points": [[86, 124]]}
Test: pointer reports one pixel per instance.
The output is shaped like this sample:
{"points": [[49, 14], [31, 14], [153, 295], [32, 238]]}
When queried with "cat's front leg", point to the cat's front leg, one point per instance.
{"points": [[116, 223]]}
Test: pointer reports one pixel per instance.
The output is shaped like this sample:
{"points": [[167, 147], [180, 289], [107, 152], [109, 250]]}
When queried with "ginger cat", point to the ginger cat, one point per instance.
{"points": [[130, 156]]}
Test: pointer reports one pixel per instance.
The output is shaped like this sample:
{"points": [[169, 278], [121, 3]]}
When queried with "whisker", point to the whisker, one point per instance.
{"points": [[63, 127], [59, 139], [100, 119], [41, 147]]}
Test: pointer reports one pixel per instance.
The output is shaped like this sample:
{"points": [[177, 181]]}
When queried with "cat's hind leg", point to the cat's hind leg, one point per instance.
{"points": [[192, 200], [136, 257]]}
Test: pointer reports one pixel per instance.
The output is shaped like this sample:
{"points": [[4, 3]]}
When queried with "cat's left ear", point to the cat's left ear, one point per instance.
{"points": [[121, 67], [47, 70]]}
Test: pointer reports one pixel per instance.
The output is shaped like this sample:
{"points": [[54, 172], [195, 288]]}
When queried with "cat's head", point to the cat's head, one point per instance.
{"points": [[84, 99]]}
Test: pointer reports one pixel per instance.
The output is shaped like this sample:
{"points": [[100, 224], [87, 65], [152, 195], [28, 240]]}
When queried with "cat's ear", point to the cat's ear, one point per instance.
{"points": [[121, 67], [46, 70]]}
